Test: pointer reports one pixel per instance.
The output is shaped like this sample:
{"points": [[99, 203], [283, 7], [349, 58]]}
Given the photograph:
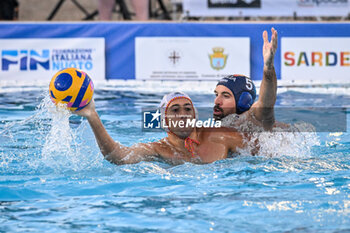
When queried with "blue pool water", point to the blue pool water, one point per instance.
{"points": [[54, 179]]}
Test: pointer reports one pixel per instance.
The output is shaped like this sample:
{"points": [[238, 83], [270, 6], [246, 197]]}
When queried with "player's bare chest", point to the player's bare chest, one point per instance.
{"points": [[205, 152]]}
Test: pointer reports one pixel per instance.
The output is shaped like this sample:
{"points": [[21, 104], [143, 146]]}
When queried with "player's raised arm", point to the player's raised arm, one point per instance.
{"points": [[263, 109], [111, 150]]}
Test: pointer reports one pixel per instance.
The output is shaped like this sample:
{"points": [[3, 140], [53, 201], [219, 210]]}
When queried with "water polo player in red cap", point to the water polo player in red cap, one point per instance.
{"points": [[184, 142]]}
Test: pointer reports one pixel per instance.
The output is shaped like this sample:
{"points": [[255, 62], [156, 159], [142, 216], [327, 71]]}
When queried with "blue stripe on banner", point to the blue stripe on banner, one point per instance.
{"points": [[120, 37], [81, 92]]}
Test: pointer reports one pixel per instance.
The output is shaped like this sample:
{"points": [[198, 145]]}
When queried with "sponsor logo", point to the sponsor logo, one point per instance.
{"points": [[312, 3], [46, 59], [25, 59], [322, 59], [218, 58], [191, 58], [77, 58], [174, 57], [234, 3], [319, 59], [38, 59]]}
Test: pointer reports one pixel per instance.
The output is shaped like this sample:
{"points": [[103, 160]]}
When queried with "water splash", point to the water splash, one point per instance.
{"points": [[277, 144], [297, 141], [46, 142]]}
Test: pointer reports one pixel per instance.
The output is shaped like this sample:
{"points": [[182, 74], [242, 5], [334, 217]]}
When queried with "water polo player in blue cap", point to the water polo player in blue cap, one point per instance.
{"points": [[235, 94]]}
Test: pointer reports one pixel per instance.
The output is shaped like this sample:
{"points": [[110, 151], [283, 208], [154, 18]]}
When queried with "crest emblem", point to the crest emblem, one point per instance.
{"points": [[218, 58]]}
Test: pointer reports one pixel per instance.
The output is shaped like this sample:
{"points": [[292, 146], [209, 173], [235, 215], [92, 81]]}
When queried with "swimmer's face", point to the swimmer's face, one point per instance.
{"points": [[225, 103], [178, 112]]}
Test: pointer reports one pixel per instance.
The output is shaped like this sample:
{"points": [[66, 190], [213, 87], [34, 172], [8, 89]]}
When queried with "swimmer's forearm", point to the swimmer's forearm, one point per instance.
{"points": [[109, 148], [268, 89], [264, 111], [113, 151]]}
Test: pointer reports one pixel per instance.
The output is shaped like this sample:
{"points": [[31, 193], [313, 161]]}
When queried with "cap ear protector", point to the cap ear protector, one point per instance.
{"points": [[243, 90], [244, 102]]}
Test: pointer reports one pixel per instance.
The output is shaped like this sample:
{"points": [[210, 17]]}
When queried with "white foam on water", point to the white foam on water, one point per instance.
{"points": [[66, 148], [278, 144], [59, 147], [296, 141]]}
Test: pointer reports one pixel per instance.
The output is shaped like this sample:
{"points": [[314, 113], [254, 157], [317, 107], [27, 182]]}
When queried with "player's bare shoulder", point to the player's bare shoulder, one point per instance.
{"points": [[160, 147], [221, 135]]}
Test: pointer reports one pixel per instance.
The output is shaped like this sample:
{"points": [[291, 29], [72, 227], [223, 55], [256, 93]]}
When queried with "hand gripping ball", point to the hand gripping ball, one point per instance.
{"points": [[71, 87]]}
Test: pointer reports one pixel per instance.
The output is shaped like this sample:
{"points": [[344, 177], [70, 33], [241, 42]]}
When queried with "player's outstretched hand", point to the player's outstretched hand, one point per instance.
{"points": [[269, 48]]}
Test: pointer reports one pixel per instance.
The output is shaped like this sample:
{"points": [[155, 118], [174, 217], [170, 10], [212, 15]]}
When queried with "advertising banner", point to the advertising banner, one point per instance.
{"points": [[319, 7], [277, 8], [315, 59], [40, 59], [191, 57], [234, 4], [174, 51]]}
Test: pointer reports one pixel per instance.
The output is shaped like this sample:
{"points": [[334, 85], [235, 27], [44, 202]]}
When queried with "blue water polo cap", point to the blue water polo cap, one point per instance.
{"points": [[243, 90]]}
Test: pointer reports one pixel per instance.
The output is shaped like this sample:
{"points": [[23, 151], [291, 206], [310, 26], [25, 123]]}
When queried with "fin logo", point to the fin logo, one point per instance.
{"points": [[25, 60]]}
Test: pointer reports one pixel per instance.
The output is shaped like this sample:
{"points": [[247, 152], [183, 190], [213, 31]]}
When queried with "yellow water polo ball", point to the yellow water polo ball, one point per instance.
{"points": [[71, 87]]}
